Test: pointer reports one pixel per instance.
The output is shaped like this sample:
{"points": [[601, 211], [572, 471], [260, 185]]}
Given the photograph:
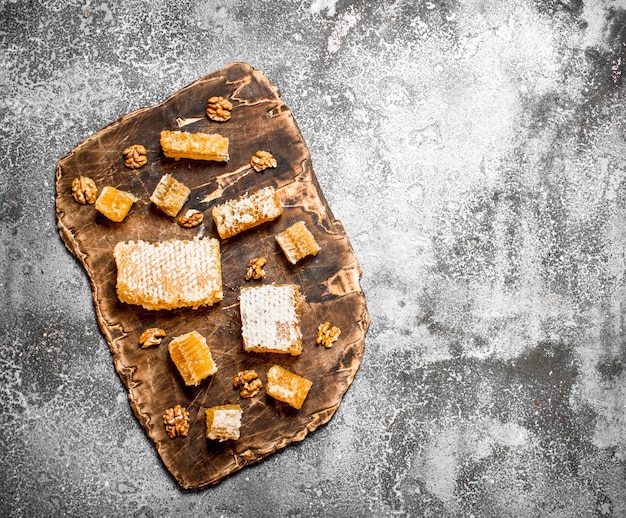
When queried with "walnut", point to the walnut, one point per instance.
{"points": [[255, 268], [191, 218], [248, 383], [135, 156], [218, 109], [150, 337], [84, 190], [176, 422], [327, 335], [261, 160]]}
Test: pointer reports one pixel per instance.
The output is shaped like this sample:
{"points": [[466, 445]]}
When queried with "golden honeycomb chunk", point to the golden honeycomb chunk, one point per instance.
{"points": [[115, 204], [169, 274], [270, 319], [297, 242], [170, 195], [223, 422], [246, 212], [192, 357], [197, 146], [286, 386]]}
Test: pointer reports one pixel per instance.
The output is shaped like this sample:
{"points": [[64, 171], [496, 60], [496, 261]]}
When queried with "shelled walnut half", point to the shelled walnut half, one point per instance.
{"points": [[84, 190], [248, 383], [218, 109], [261, 160], [176, 421], [135, 156], [191, 218], [151, 336], [255, 268], [327, 335]]}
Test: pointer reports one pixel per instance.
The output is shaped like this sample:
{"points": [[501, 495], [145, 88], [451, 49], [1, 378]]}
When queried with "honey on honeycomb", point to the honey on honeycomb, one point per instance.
{"points": [[270, 318], [297, 242], [192, 357], [287, 386], [114, 204], [246, 212], [170, 195], [197, 146], [169, 274], [223, 422]]}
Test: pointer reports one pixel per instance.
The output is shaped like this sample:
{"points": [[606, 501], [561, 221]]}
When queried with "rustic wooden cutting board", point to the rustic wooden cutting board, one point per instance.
{"points": [[329, 281]]}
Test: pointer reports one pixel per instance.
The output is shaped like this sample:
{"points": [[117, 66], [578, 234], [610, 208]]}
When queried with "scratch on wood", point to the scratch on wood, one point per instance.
{"points": [[343, 282], [180, 122], [276, 111], [226, 180], [296, 194]]}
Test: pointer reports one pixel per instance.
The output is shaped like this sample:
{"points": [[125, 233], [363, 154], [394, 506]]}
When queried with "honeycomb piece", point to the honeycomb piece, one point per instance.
{"points": [[169, 274], [270, 319], [287, 386], [223, 422], [246, 212], [115, 204], [297, 242], [197, 146], [170, 195], [192, 357]]}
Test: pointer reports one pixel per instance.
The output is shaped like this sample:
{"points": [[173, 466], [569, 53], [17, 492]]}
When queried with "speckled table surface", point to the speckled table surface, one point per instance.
{"points": [[475, 153]]}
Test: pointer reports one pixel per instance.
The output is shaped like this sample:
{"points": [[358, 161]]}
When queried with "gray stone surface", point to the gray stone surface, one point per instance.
{"points": [[475, 153]]}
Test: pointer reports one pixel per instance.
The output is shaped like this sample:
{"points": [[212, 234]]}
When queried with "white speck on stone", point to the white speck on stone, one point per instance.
{"points": [[345, 22], [317, 6]]}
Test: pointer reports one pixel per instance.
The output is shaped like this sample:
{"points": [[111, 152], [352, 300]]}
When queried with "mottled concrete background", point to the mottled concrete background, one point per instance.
{"points": [[475, 152]]}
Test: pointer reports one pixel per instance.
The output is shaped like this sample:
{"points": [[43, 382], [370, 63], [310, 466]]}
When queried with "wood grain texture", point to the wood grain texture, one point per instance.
{"points": [[329, 281]]}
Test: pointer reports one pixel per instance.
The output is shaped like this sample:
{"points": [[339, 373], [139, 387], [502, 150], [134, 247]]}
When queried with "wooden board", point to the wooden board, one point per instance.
{"points": [[329, 281]]}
